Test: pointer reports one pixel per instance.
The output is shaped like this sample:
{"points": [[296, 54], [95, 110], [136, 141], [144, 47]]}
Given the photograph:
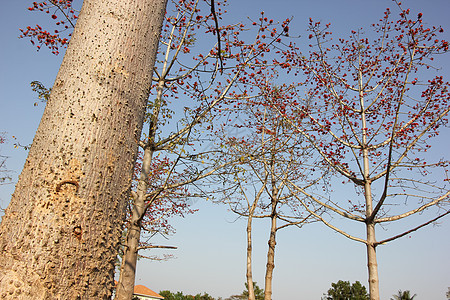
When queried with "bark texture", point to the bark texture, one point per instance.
{"points": [[270, 258], [125, 286], [273, 228], [60, 233], [249, 274], [372, 263], [370, 225]]}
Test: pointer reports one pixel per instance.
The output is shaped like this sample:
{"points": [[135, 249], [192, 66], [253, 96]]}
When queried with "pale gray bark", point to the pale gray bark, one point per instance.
{"points": [[391, 140], [372, 264], [249, 274], [59, 236], [125, 286], [270, 266]]}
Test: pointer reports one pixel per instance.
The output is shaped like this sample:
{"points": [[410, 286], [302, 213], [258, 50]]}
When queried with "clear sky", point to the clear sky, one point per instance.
{"points": [[211, 254]]}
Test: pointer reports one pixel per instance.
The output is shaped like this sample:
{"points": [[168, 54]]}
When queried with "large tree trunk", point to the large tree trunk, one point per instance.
{"points": [[60, 233]]}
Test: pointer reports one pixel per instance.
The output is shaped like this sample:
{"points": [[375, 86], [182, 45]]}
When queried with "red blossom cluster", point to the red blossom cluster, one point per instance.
{"points": [[359, 88], [65, 16]]}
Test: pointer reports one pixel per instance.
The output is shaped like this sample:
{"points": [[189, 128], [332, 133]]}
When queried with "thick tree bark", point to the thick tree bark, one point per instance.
{"points": [[60, 233]]}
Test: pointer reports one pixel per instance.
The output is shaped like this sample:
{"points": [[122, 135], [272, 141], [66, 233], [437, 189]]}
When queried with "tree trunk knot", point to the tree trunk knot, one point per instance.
{"points": [[77, 232], [71, 182]]}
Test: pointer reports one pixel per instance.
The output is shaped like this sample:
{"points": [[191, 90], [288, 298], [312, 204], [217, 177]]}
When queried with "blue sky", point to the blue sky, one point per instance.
{"points": [[211, 254]]}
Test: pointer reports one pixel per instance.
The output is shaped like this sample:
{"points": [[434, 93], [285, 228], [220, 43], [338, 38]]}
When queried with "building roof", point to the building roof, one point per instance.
{"points": [[141, 290]]}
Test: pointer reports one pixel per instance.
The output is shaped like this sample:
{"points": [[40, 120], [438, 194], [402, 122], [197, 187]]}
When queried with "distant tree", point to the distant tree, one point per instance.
{"points": [[205, 296], [168, 295], [405, 295], [342, 290], [237, 297], [376, 105], [270, 154], [258, 292]]}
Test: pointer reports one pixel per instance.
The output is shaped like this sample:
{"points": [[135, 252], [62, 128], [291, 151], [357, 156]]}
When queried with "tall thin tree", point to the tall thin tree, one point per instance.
{"points": [[377, 106]]}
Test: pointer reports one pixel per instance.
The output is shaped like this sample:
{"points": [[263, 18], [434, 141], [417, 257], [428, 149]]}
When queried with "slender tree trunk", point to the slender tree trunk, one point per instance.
{"points": [[273, 227], [270, 258], [60, 233], [370, 225], [372, 263], [370, 234], [125, 286], [371, 240], [251, 288]]}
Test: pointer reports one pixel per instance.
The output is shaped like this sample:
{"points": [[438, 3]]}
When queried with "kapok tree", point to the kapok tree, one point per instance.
{"points": [[269, 153], [203, 86], [65, 17], [177, 39], [59, 235], [377, 107], [172, 75]]}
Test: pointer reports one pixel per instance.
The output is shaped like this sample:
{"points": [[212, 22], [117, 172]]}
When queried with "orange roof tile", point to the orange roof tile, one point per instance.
{"points": [[145, 291]]}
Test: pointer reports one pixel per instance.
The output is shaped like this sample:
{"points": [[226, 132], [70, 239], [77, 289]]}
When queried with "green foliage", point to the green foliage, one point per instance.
{"points": [[259, 293], [168, 295], [205, 296], [405, 295], [4, 173], [43, 92], [342, 290]]}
